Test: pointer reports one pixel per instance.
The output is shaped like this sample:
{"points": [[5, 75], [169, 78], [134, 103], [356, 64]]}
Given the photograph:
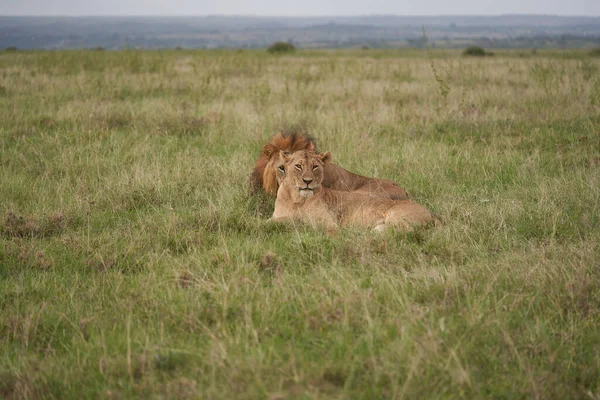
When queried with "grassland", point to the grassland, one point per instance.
{"points": [[135, 263]]}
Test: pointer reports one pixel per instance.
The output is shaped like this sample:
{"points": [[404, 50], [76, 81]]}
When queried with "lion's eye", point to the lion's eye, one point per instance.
{"points": [[298, 167], [281, 169], [315, 166]]}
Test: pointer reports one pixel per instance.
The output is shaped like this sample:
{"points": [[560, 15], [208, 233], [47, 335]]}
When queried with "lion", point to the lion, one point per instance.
{"points": [[264, 175], [301, 196]]}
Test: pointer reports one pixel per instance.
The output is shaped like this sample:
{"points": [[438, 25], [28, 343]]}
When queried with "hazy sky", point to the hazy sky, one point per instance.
{"points": [[298, 7]]}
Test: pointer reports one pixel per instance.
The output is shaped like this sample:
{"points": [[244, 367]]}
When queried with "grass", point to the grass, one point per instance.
{"points": [[135, 263]]}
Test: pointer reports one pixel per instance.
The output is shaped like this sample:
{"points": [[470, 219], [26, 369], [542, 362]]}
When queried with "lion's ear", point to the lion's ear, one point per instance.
{"points": [[325, 157], [268, 150], [310, 146]]}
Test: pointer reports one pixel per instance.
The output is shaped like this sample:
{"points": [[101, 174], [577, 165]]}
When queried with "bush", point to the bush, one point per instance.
{"points": [[11, 48], [595, 52], [281, 47], [476, 51]]}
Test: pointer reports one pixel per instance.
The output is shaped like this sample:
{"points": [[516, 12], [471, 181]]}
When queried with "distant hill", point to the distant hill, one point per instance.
{"points": [[504, 31]]}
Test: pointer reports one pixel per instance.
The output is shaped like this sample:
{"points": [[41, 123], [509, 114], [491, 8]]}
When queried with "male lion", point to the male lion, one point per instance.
{"points": [[302, 196], [334, 177]]}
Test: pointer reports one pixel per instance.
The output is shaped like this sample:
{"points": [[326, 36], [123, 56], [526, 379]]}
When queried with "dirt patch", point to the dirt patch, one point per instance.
{"points": [[23, 227]]}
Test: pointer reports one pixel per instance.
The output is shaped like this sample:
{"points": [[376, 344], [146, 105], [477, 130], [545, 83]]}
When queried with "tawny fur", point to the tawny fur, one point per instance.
{"points": [[263, 175], [302, 197], [335, 177]]}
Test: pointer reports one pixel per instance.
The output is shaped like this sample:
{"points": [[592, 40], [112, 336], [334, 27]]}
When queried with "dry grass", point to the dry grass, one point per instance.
{"points": [[134, 262]]}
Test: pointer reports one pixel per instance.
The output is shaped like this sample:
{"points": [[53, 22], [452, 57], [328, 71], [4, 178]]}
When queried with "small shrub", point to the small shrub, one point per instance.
{"points": [[281, 47], [11, 48], [443, 84], [476, 51], [595, 52]]}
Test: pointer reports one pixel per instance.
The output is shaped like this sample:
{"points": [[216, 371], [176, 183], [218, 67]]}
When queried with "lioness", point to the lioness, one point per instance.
{"points": [[334, 177], [302, 196]]}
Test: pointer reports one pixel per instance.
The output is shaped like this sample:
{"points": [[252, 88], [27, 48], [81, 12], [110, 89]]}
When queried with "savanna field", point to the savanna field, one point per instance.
{"points": [[136, 263]]}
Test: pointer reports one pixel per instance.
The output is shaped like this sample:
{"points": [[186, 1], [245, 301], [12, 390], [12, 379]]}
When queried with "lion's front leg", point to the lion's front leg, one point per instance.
{"points": [[282, 212]]}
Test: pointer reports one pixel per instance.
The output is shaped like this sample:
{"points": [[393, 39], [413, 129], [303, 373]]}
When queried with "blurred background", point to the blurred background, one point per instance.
{"points": [[70, 24]]}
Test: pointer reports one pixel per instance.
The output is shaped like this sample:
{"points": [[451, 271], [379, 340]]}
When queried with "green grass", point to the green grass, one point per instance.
{"points": [[135, 263]]}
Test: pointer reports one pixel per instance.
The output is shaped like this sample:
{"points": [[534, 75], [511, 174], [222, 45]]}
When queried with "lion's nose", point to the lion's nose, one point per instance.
{"points": [[307, 180]]}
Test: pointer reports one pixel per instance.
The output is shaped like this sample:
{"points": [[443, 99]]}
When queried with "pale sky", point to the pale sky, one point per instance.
{"points": [[299, 7]]}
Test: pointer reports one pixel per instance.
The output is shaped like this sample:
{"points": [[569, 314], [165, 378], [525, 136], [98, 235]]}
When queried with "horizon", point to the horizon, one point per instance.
{"points": [[326, 31]]}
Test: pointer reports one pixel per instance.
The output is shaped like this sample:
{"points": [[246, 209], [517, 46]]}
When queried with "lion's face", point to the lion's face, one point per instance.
{"points": [[301, 172], [264, 175]]}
